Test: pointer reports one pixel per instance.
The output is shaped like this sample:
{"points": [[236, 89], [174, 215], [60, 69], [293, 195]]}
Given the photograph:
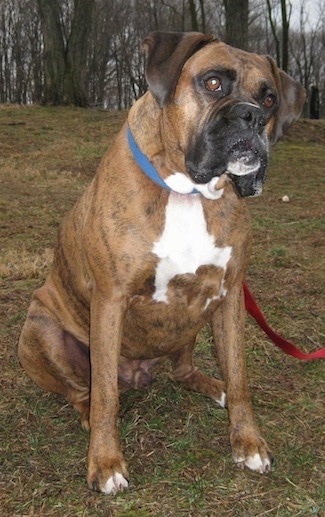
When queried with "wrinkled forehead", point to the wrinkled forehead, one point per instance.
{"points": [[247, 68]]}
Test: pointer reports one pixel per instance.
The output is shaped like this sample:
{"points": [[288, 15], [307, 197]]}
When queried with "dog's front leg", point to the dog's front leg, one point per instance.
{"points": [[107, 470], [248, 447]]}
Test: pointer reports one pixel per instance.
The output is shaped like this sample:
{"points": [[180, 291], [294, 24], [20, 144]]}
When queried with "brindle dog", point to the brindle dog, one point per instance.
{"points": [[159, 243]]}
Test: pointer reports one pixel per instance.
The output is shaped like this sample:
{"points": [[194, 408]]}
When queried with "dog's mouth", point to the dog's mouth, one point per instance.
{"points": [[243, 159], [245, 164], [247, 168]]}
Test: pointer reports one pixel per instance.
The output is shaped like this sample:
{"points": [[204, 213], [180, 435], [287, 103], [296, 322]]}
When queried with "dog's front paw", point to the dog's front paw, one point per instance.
{"points": [[257, 462], [116, 483], [108, 480], [250, 450]]}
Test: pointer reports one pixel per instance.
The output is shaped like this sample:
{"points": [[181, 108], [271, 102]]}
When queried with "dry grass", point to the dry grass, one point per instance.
{"points": [[175, 442], [20, 264]]}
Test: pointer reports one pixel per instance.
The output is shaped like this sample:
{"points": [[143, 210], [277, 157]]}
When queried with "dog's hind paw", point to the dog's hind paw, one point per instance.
{"points": [[223, 400]]}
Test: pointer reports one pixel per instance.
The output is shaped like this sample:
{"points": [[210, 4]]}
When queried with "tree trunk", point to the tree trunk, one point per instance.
{"points": [[194, 22], [54, 51], [202, 16], [65, 65], [285, 35], [274, 32], [76, 54], [237, 23]]}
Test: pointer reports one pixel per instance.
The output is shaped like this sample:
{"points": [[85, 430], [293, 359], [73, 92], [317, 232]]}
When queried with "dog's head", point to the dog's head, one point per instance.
{"points": [[221, 106]]}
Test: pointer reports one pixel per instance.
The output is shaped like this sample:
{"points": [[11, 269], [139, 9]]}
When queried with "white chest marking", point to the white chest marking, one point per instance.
{"points": [[185, 243]]}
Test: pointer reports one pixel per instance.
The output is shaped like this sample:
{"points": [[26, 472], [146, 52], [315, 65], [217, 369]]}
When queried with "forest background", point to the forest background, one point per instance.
{"points": [[88, 52]]}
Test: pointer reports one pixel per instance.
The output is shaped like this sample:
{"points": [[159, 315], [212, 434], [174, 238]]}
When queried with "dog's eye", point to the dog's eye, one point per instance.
{"points": [[269, 101], [213, 84]]}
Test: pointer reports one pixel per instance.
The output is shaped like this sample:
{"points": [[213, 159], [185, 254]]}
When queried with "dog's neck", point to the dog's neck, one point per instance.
{"points": [[147, 166], [155, 163]]}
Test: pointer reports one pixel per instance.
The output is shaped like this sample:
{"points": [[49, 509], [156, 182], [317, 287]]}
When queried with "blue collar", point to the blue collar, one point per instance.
{"points": [[145, 165]]}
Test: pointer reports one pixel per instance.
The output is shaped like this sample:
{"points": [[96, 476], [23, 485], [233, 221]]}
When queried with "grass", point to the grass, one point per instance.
{"points": [[175, 442]]}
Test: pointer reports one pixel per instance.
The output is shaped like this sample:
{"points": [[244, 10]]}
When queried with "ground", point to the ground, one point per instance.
{"points": [[175, 442]]}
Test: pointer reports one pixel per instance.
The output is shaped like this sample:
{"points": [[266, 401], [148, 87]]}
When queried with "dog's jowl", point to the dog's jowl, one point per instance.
{"points": [[159, 243]]}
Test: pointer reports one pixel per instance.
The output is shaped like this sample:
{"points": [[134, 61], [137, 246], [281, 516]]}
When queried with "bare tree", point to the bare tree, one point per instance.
{"points": [[274, 32], [281, 36], [307, 48], [65, 60], [285, 15], [54, 51], [88, 51], [17, 66], [192, 8], [197, 25], [237, 23]]}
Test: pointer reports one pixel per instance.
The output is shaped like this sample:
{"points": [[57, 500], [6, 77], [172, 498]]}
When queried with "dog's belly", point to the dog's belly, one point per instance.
{"points": [[189, 283], [155, 328]]}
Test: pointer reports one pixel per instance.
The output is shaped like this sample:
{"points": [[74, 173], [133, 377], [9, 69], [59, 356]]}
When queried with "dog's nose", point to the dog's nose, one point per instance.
{"points": [[252, 115]]}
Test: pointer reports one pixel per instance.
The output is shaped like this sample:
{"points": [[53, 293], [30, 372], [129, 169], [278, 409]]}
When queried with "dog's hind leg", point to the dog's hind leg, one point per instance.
{"points": [[55, 360], [185, 371]]}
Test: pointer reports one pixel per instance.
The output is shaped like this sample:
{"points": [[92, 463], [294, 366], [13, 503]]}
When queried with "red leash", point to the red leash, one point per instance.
{"points": [[289, 348]]}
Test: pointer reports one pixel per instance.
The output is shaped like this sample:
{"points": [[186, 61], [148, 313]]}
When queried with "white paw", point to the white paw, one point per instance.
{"points": [[222, 401], [255, 462], [115, 483]]}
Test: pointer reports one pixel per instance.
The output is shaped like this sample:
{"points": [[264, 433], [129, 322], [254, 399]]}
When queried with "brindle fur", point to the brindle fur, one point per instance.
{"points": [[96, 305]]}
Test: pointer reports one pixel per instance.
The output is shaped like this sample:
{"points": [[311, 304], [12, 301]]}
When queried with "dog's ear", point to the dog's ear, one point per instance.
{"points": [[167, 53], [292, 100]]}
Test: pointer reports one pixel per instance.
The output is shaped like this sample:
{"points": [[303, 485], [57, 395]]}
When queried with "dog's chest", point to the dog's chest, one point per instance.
{"points": [[189, 261]]}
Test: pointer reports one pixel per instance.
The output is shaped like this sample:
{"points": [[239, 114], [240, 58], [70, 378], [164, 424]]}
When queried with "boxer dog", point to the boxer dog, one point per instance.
{"points": [[158, 246]]}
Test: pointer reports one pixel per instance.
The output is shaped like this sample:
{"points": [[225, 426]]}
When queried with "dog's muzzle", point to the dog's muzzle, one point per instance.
{"points": [[232, 140]]}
